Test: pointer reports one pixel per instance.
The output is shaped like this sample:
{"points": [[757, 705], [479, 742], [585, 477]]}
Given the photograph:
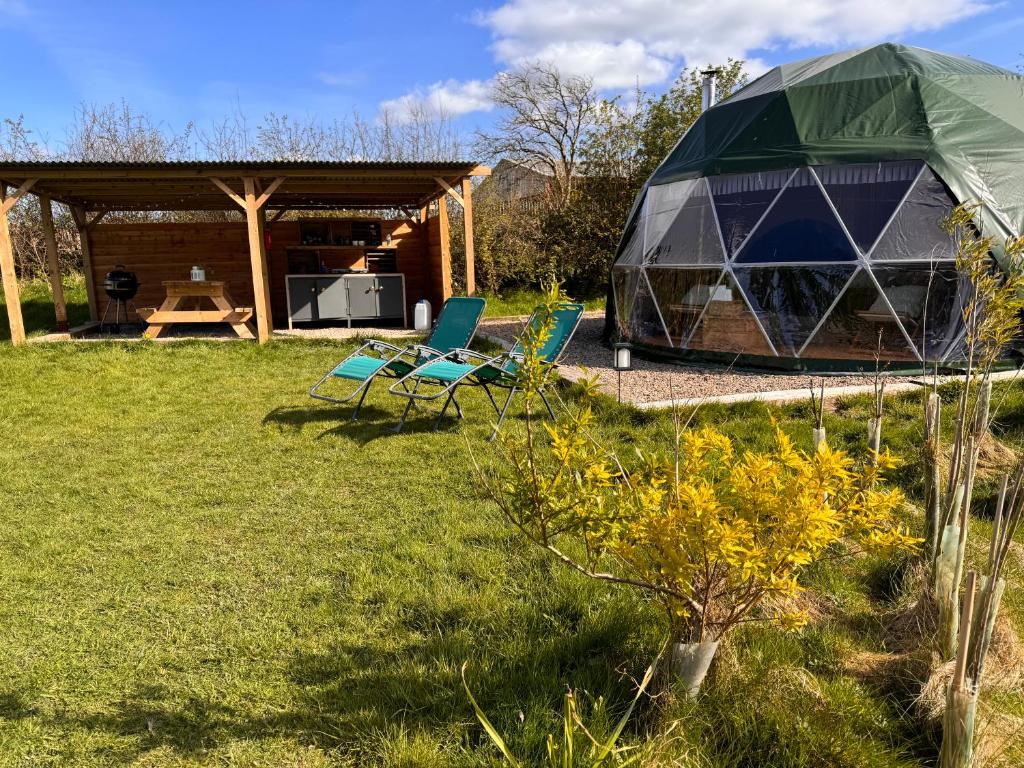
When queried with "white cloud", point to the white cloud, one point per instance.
{"points": [[628, 41], [625, 43], [620, 64], [450, 97]]}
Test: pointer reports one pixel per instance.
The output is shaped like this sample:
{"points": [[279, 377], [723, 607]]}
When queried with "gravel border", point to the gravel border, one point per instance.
{"points": [[655, 384]]}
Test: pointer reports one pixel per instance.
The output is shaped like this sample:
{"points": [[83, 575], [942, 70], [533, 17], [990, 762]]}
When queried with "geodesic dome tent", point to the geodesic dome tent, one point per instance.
{"points": [[797, 223]]}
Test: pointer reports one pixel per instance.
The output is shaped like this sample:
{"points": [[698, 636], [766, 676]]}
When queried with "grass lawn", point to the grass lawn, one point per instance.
{"points": [[37, 307], [202, 566]]}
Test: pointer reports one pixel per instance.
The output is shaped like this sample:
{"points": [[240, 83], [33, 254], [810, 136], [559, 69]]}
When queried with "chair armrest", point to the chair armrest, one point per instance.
{"points": [[423, 349], [382, 346], [462, 355]]}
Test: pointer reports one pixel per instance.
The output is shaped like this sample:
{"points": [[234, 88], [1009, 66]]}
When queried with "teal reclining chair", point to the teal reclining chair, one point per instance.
{"points": [[454, 330], [464, 367]]}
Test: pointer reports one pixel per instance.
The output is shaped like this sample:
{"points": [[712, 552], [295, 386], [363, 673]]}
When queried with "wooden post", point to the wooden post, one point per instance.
{"points": [[425, 238], [82, 223], [60, 309], [467, 220], [10, 277], [258, 258], [446, 248]]}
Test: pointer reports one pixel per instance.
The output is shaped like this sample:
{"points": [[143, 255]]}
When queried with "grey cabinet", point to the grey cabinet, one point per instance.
{"points": [[332, 299], [302, 299], [391, 296], [314, 298], [362, 296]]}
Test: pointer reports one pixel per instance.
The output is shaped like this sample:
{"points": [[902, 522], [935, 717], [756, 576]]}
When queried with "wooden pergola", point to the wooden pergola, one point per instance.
{"points": [[92, 190]]}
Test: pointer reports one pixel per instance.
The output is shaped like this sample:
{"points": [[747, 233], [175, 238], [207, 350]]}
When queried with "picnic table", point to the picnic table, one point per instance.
{"points": [[194, 292]]}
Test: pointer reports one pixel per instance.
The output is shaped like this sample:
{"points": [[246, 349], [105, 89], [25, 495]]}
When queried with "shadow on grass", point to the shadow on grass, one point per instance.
{"points": [[375, 421], [354, 690], [14, 705], [38, 316], [190, 727], [347, 694]]}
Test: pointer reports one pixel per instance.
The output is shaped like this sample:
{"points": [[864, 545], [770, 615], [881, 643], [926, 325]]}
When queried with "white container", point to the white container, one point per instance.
{"points": [[421, 318], [198, 274]]}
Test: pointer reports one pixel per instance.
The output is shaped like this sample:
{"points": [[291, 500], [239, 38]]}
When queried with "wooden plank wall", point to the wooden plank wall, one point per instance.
{"points": [[167, 251]]}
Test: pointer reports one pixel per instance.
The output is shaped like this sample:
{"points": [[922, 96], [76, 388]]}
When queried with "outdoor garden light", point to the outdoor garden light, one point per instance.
{"points": [[622, 361]]}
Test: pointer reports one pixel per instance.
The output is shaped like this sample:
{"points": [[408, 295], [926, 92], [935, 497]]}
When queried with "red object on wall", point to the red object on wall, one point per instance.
{"points": [[266, 240]]}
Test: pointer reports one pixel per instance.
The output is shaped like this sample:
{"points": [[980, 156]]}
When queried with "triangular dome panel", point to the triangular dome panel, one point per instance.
{"points": [[661, 209], [624, 283], [692, 237], [860, 325], [681, 295], [866, 195], [633, 252], [915, 232], [741, 200], [641, 321], [791, 301], [728, 325], [799, 227], [928, 300]]}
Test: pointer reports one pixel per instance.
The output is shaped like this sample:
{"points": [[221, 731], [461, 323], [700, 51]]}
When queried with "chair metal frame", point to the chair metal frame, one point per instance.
{"points": [[417, 354], [503, 379]]}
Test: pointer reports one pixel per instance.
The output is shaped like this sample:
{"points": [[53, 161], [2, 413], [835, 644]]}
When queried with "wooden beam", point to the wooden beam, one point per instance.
{"points": [[229, 191], [258, 258], [480, 170], [60, 309], [448, 188], [96, 219], [10, 200], [446, 249], [10, 276], [81, 217], [467, 222], [425, 239], [278, 214], [82, 223], [262, 199]]}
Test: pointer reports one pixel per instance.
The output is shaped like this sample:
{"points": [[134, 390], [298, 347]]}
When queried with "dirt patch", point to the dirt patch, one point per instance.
{"points": [[994, 459], [897, 674]]}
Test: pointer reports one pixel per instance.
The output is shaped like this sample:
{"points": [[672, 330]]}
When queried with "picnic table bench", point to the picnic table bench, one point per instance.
{"points": [[181, 292]]}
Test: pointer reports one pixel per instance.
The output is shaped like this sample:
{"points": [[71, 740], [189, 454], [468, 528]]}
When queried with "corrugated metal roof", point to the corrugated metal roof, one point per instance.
{"points": [[254, 165]]}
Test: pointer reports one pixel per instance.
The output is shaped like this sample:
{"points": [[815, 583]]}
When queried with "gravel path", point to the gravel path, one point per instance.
{"points": [[654, 382], [350, 333]]}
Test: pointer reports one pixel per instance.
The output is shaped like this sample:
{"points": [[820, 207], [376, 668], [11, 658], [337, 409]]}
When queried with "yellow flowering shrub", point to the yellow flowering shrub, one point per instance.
{"points": [[711, 532]]}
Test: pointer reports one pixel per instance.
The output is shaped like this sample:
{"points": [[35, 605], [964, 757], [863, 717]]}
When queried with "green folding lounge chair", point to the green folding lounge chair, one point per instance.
{"points": [[454, 329], [464, 367]]}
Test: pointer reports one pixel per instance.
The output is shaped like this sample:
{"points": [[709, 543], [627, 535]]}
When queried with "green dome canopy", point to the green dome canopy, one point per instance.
{"points": [[797, 223], [964, 117]]}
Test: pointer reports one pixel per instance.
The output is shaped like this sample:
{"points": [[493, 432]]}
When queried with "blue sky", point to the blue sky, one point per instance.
{"points": [[197, 61]]}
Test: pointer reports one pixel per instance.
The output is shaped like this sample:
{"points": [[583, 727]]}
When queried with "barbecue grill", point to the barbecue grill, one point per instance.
{"points": [[121, 287]]}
